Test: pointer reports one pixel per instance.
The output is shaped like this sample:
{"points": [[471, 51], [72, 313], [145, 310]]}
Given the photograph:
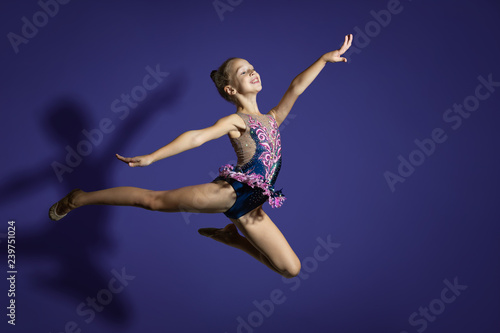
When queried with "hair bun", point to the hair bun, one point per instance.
{"points": [[213, 74]]}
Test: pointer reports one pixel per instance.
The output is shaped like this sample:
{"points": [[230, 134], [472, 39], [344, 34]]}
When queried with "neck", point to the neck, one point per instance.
{"points": [[248, 104]]}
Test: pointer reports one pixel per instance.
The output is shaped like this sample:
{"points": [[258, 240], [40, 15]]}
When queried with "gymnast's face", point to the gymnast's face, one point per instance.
{"points": [[244, 78]]}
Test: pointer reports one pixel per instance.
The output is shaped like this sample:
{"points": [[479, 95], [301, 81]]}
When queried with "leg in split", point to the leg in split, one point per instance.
{"points": [[212, 197], [262, 240]]}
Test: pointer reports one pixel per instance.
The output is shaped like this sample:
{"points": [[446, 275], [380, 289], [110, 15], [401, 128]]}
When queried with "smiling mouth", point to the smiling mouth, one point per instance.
{"points": [[254, 81]]}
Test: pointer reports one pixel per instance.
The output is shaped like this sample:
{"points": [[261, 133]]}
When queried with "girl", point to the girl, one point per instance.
{"points": [[240, 190]]}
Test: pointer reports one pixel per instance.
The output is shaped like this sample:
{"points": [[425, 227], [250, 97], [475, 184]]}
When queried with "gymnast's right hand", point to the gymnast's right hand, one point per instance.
{"points": [[138, 161]]}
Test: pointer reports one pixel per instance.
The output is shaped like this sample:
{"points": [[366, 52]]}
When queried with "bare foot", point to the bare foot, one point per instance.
{"points": [[227, 235], [65, 205]]}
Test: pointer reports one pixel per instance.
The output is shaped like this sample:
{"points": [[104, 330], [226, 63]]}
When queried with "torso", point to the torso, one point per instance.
{"points": [[240, 131], [258, 146]]}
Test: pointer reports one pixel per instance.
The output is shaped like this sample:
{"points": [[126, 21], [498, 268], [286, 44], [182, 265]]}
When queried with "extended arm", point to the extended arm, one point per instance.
{"points": [[188, 140], [304, 79]]}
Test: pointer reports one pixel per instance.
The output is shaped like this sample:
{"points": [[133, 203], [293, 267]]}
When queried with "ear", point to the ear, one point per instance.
{"points": [[229, 90]]}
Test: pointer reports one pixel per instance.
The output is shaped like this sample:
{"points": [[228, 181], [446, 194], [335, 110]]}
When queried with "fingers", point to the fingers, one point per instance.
{"points": [[348, 39], [347, 43], [131, 161], [123, 159]]}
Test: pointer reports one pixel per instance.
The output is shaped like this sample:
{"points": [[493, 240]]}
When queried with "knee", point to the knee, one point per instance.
{"points": [[292, 269], [151, 201]]}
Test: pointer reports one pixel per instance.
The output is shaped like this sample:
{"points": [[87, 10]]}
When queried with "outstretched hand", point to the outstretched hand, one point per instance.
{"points": [[138, 161], [335, 56]]}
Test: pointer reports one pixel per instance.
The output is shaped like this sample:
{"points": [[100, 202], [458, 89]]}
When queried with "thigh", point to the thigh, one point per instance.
{"points": [[215, 197], [264, 235]]}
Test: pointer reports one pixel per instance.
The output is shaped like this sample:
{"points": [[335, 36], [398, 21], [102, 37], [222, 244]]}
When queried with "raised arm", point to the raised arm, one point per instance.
{"points": [[188, 140], [304, 79]]}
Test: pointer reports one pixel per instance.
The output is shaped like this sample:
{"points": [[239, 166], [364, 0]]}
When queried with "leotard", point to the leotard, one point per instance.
{"points": [[258, 150]]}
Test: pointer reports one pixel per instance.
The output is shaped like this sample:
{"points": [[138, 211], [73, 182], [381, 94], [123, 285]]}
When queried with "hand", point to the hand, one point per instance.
{"points": [[335, 56], [140, 161]]}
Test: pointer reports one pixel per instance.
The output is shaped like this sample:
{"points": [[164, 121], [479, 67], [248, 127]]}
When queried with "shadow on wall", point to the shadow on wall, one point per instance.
{"points": [[77, 244]]}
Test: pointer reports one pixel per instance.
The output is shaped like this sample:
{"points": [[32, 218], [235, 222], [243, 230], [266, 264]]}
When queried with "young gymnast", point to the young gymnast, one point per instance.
{"points": [[240, 191]]}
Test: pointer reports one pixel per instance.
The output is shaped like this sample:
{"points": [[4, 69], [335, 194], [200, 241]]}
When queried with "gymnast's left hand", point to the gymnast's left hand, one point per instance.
{"points": [[138, 161], [335, 56]]}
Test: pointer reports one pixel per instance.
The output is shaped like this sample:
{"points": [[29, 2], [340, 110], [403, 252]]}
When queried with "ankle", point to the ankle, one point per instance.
{"points": [[74, 199]]}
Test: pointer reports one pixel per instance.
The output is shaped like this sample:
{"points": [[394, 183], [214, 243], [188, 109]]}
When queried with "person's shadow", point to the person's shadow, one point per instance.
{"points": [[78, 243]]}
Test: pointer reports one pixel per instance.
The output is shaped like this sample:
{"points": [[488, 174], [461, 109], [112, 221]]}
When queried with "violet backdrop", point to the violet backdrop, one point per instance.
{"points": [[412, 224]]}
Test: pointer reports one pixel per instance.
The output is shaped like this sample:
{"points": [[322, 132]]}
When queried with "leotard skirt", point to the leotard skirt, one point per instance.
{"points": [[247, 198]]}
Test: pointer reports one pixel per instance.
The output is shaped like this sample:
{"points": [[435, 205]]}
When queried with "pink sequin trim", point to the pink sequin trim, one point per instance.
{"points": [[276, 199]]}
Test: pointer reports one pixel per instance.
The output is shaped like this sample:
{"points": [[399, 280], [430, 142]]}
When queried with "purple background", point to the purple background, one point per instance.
{"points": [[349, 127]]}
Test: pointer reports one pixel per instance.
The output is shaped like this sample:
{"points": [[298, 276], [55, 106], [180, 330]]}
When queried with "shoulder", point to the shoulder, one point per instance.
{"points": [[272, 113], [233, 120], [233, 124]]}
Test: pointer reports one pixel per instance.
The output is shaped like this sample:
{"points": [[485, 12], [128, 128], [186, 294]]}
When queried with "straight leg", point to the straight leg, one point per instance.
{"points": [[212, 197]]}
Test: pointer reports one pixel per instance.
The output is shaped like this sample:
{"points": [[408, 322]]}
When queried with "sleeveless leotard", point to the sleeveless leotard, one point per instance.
{"points": [[258, 150]]}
